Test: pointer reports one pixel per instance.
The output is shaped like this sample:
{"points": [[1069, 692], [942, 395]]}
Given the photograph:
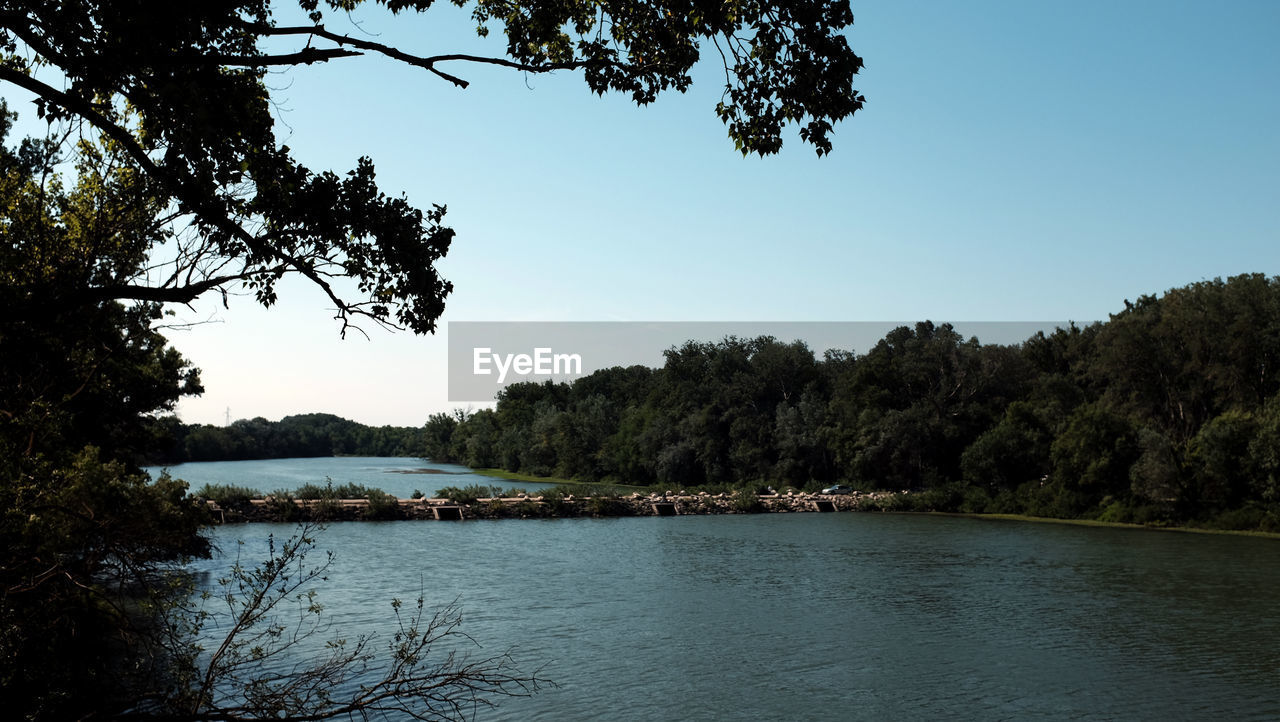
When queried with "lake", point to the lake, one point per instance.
{"points": [[829, 616], [395, 475]]}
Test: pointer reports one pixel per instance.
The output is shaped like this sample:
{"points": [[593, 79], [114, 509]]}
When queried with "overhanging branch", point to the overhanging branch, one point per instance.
{"points": [[177, 187], [425, 62]]}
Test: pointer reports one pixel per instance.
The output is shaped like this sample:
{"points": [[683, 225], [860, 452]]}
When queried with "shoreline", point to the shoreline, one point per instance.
{"points": [[570, 507], [557, 481], [1096, 523]]}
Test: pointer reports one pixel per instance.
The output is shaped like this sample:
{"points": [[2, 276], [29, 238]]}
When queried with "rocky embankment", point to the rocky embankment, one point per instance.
{"points": [[537, 507]]}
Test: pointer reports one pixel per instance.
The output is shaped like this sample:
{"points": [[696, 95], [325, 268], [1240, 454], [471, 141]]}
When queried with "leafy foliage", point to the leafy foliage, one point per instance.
{"points": [[228, 495], [85, 536], [382, 506], [346, 490], [178, 96], [468, 494], [747, 501]]}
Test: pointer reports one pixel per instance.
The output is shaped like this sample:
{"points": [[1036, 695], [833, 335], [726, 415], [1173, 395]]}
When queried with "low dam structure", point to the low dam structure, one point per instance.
{"points": [[536, 507]]}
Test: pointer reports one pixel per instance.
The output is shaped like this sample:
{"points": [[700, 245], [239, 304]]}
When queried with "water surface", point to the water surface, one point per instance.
{"points": [[834, 616], [395, 475]]}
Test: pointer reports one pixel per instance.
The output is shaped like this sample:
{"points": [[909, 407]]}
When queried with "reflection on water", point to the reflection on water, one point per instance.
{"points": [[836, 616]]}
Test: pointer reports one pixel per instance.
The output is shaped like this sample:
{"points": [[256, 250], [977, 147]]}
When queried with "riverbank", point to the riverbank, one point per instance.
{"points": [[1107, 524], [530, 478], [525, 506]]}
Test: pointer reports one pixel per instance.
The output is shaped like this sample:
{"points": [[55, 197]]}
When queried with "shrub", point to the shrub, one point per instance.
{"points": [[526, 508], [326, 509], [382, 505], [351, 491], [814, 486], [557, 506], [939, 498], [1117, 512], [329, 491], [1271, 522], [976, 501], [1150, 514], [579, 491], [1245, 519], [607, 506], [889, 502], [468, 494], [228, 495], [1051, 499], [747, 501], [1005, 502], [282, 506]]}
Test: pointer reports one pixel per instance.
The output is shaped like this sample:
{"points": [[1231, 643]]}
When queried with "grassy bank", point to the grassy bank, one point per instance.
{"points": [[1111, 524], [513, 476]]}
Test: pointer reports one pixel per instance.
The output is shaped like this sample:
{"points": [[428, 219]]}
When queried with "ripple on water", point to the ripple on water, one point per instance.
{"points": [[838, 616]]}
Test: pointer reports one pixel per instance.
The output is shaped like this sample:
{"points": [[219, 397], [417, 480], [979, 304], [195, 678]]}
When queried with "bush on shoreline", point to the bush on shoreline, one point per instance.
{"points": [[329, 491], [228, 496], [468, 494]]}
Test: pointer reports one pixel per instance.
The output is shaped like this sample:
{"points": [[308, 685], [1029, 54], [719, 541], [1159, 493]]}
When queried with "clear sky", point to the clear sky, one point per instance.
{"points": [[1015, 161]]}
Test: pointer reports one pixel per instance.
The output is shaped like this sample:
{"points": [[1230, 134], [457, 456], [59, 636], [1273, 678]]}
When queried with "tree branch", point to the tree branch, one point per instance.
{"points": [[197, 202], [427, 63], [306, 56], [166, 294]]}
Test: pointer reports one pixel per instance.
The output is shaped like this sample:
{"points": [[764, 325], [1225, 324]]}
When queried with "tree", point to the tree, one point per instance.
{"points": [[1014, 451], [1091, 457], [177, 91], [438, 437], [476, 440], [1224, 467], [906, 411], [1264, 453], [800, 436], [1181, 360], [80, 529], [181, 189]]}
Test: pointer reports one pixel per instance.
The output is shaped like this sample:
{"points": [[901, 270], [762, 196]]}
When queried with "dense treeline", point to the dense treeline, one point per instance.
{"points": [[292, 436], [1169, 411]]}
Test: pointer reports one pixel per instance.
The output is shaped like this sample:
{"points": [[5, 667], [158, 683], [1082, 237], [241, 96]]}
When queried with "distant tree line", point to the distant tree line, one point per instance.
{"points": [[303, 435], [1167, 412]]}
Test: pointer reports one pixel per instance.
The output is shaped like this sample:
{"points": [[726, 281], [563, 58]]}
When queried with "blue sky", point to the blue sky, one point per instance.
{"points": [[1015, 161]]}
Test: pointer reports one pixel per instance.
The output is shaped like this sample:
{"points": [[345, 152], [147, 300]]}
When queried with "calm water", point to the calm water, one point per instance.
{"points": [[394, 475], [834, 616]]}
